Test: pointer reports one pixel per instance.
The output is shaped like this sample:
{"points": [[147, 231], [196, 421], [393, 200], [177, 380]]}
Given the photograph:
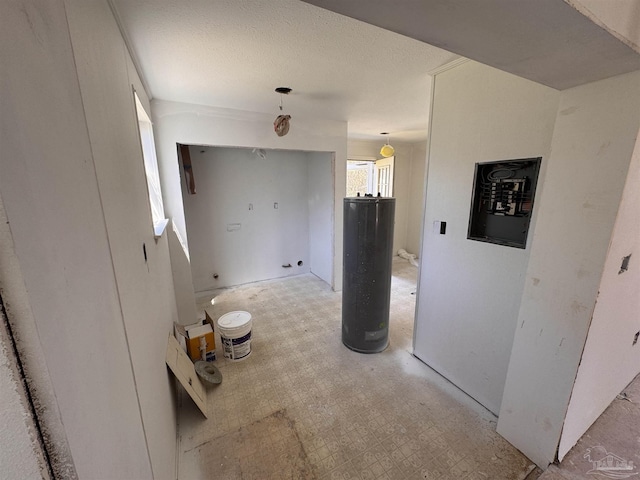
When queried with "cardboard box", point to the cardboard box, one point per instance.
{"points": [[201, 342], [191, 336]]}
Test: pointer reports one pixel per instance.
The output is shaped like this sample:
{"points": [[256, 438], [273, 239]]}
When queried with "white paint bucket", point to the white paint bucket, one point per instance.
{"points": [[235, 333]]}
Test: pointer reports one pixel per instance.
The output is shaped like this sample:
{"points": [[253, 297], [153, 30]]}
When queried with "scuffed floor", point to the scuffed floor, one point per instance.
{"points": [[303, 406]]}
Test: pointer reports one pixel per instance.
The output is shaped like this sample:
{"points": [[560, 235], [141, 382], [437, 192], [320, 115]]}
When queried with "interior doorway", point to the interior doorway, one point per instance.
{"points": [[370, 177]]}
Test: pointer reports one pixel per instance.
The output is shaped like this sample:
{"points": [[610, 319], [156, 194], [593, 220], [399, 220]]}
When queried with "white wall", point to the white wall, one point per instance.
{"points": [[417, 190], [74, 191], [145, 286], [201, 125], [469, 291], [593, 140], [228, 180], [610, 360], [182, 278], [320, 182], [49, 189]]}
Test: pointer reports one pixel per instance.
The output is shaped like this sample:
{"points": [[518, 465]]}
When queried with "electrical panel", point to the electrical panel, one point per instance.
{"points": [[502, 201]]}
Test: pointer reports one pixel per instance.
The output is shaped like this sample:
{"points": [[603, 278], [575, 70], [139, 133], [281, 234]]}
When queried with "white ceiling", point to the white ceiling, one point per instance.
{"points": [[234, 53]]}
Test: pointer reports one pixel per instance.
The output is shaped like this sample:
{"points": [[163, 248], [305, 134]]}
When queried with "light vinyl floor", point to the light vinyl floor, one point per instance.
{"points": [[303, 406]]}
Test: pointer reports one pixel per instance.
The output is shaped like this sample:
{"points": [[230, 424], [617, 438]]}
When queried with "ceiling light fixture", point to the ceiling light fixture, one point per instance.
{"points": [[281, 123], [387, 150]]}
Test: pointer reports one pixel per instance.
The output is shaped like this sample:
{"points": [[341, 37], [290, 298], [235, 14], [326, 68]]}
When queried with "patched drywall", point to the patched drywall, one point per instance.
{"points": [[611, 357], [209, 126], [469, 291], [593, 140]]}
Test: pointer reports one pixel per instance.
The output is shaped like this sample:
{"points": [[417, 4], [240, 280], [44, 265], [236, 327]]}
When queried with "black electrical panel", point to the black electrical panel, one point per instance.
{"points": [[502, 201]]}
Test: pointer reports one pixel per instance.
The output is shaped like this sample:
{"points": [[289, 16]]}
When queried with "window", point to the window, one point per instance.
{"points": [[370, 177], [151, 169], [359, 177]]}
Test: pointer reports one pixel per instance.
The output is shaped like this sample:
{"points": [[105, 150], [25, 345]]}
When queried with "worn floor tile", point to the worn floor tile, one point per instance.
{"points": [[304, 406]]}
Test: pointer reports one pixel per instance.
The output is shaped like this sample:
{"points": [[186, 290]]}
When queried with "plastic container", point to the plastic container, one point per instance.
{"points": [[235, 333]]}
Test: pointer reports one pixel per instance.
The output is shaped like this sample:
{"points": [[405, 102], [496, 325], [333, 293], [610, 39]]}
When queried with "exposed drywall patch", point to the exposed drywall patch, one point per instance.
{"points": [[582, 272], [625, 264], [569, 110], [577, 307], [603, 148]]}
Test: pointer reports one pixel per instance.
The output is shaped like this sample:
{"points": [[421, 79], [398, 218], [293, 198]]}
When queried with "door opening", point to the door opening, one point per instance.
{"points": [[370, 177]]}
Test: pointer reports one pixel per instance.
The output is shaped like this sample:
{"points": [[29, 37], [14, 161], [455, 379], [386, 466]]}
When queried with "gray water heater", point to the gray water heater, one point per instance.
{"points": [[366, 290]]}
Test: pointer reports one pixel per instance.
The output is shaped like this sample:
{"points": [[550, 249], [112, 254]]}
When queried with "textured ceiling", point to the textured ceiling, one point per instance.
{"points": [[234, 53]]}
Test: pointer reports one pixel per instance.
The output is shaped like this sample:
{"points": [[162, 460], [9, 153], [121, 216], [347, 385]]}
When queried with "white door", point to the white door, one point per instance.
{"points": [[384, 177]]}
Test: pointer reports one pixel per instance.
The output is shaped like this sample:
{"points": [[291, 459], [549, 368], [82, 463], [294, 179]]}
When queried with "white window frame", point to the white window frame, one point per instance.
{"points": [[147, 143]]}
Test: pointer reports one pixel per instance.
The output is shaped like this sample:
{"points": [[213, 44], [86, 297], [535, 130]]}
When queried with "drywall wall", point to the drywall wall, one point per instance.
{"points": [[210, 126], [470, 291], [594, 136], [610, 359], [141, 263], [50, 194], [20, 321], [401, 186], [249, 217], [364, 149], [20, 455], [182, 279], [320, 181], [417, 182]]}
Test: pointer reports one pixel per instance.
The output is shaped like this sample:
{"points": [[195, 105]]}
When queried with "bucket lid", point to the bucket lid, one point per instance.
{"points": [[233, 320]]}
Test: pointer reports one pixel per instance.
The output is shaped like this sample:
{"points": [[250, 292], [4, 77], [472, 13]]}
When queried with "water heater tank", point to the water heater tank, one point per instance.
{"points": [[366, 290]]}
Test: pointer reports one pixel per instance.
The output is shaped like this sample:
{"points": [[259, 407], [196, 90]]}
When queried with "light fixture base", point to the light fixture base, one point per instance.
{"points": [[387, 150]]}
